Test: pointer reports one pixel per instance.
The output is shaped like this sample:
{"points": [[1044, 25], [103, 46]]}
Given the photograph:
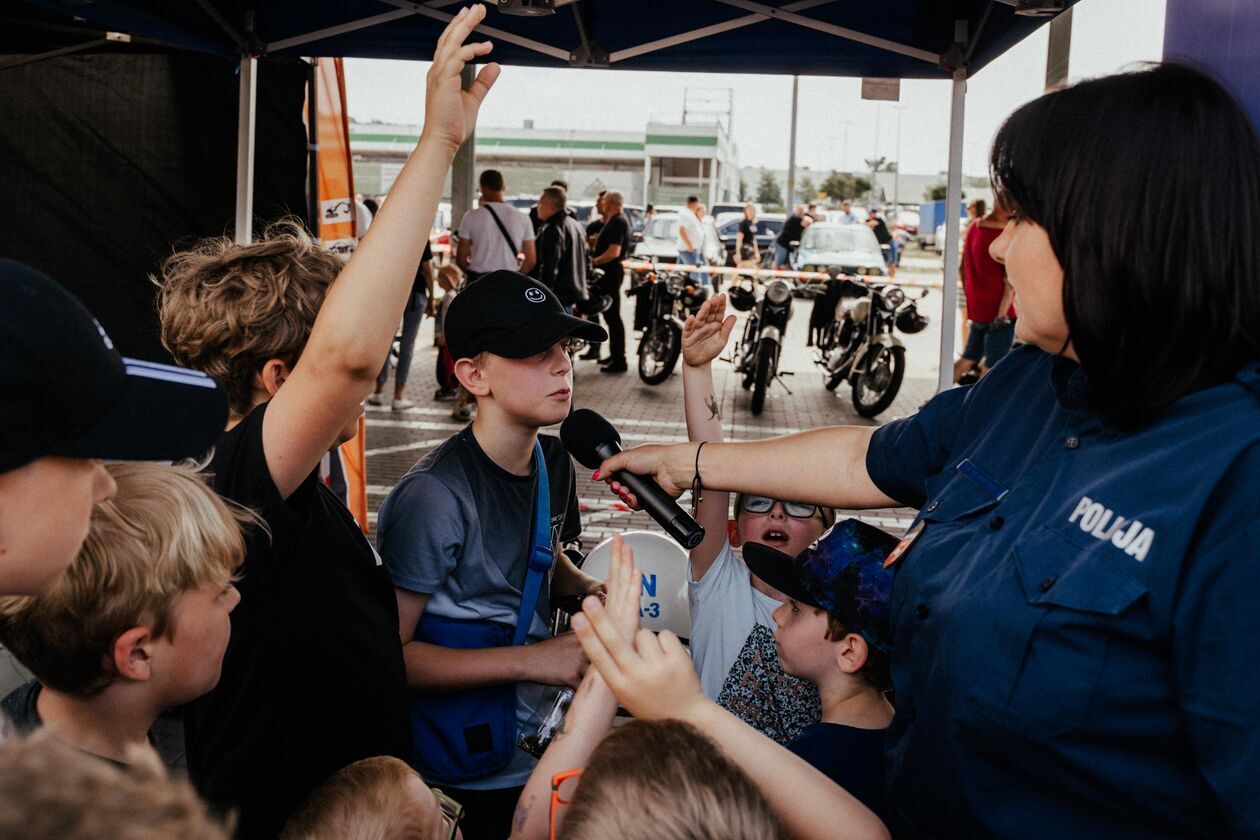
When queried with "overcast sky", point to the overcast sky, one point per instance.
{"points": [[837, 129]]}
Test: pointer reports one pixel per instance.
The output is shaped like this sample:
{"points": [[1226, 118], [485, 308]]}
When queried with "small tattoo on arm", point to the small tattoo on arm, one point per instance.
{"points": [[715, 412]]}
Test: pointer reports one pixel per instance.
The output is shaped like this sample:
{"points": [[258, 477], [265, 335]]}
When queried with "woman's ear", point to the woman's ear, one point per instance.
{"points": [[132, 654], [732, 533], [472, 377]]}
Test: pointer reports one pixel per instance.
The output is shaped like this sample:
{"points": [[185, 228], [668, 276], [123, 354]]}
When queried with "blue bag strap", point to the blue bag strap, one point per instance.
{"points": [[540, 550]]}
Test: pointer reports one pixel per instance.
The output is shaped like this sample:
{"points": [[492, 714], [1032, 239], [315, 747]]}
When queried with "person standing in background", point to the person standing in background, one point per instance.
{"points": [[611, 247], [495, 236]]}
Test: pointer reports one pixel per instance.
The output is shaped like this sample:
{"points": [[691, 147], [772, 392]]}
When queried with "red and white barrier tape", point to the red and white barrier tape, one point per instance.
{"points": [[916, 283]]}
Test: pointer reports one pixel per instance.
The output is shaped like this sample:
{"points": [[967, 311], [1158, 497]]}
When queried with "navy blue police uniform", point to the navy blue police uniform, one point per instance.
{"points": [[1077, 650]]}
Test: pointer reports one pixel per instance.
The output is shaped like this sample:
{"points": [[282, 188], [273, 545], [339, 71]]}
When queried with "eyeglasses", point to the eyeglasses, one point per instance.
{"points": [[796, 510], [556, 799], [452, 812]]}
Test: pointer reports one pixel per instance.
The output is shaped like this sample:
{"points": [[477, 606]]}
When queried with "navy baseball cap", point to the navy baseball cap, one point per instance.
{"points": [[842, 572], [510, 315], [65, 390]]}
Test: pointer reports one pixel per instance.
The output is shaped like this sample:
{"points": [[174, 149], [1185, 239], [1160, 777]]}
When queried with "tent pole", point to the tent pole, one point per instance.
{"points": [[462, 167], [953, 198], [791, 178], [245, 116]]}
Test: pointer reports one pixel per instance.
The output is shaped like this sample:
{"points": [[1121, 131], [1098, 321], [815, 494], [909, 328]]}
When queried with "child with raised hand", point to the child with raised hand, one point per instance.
{"points": [[732, 623], [314, 677], [591, 785], [139, 622], [652, 676]]}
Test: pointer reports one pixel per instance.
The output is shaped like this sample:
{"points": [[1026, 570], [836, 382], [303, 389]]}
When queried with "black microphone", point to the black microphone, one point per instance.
{"points": [[592, 439]]}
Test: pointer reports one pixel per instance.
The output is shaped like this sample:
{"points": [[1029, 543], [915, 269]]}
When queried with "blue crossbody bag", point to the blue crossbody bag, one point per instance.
{"points": [[461, 736]]}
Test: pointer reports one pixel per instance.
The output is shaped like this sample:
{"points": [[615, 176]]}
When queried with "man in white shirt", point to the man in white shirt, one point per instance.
{"points": [[495, 236], [691, 238]]}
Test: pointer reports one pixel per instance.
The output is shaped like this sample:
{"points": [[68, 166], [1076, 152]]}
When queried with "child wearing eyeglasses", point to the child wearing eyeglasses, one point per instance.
{"points": [[732, 624]]}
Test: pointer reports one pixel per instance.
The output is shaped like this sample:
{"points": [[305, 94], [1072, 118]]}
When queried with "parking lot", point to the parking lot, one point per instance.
{"points": [[654, 414]]}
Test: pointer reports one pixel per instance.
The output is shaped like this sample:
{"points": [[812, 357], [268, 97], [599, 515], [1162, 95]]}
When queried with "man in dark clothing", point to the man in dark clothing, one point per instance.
{"points": [[562, 253], [611, 247], [793, 230], [533, 211]]}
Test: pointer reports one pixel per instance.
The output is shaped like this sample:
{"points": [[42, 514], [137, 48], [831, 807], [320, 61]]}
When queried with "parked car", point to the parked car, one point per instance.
{"points": [[907, 220], [660, 239], [728, 207], [840, 249], [765, 229]]}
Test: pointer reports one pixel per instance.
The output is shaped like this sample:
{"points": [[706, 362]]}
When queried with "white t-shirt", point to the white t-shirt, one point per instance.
{"points": [[489, 250], [724, 610], [687, 221]]}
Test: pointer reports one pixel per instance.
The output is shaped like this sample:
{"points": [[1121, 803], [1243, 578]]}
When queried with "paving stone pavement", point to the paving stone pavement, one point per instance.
{"points": [[645, 413]]}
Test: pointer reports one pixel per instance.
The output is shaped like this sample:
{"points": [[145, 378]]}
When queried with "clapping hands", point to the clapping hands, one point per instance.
{"points": [[651, 675]]}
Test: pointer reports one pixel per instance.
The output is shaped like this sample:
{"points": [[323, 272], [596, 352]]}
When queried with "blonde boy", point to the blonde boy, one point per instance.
{"points": [[139, 622]]}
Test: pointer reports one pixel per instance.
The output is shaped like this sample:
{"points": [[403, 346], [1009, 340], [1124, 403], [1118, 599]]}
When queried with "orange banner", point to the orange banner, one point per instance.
{"points": [[337, 219]]}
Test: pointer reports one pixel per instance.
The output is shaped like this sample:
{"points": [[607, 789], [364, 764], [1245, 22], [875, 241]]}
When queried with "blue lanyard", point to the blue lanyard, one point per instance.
{"points": [[540, 550]]}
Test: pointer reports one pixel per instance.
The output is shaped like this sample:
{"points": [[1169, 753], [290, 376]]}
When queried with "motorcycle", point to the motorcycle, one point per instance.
{"points": [[757, 353], [671, 297], [859, 345]]}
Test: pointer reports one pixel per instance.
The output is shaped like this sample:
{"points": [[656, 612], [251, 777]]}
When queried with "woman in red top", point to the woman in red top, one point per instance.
{"points": [[990, 308]]}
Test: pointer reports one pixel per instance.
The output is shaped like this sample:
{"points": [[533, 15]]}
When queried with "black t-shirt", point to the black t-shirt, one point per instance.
{"points": [[852, 758], [881, 232], [418, 286], [313, 678], [750, 236], [616, 231], [792, 231], [595, 227]]}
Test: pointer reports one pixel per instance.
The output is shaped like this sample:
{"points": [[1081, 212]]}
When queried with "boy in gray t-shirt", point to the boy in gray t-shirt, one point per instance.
{"points": [[456, 532]]}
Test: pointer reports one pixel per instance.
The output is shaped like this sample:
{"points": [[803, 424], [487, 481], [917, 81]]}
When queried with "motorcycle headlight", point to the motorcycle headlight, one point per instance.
{"points": [[894, 297], [778, 292]]}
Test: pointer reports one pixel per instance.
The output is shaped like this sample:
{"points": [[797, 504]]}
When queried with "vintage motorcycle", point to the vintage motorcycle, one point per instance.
{"points": [[671, 296], [859, 344], [756, 356]]}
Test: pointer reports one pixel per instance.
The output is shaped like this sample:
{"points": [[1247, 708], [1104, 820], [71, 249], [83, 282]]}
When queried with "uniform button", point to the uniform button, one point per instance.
{"points": [[933, 505], [922, 611], [1048, 584], [1072, 442], [996, 523]]}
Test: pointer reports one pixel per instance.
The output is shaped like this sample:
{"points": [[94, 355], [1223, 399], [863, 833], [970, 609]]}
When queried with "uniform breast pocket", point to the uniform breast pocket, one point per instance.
{"points": [[1076, 603]]}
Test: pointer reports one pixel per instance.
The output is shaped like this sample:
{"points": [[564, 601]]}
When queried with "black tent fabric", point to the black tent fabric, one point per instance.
{"points": [[735, 36], [109, 159]]}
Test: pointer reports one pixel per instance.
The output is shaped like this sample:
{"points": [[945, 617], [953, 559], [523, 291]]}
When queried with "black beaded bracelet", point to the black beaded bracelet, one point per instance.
{"points": [[697, 489]]}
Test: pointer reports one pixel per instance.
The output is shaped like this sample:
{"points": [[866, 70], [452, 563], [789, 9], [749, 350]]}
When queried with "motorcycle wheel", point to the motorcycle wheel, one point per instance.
{"points": [[833, 381], [658, 352], [761, 379], [876, 388]]}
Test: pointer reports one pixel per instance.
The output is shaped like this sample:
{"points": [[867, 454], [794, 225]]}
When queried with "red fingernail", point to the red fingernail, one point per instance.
{"points": [[595, 476]]}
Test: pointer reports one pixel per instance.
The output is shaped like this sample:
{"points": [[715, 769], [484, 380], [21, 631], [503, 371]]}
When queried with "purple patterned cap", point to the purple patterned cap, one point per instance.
{"points": [[842, 572]]}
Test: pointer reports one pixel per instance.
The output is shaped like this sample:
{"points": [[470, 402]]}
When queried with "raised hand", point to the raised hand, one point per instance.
{"points": [[652, 676], [450, 113], [624, 584], [705, 334]]}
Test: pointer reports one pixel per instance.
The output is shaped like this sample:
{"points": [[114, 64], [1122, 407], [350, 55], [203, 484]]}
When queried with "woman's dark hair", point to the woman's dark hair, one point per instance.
{"points": [[1148, 185]]}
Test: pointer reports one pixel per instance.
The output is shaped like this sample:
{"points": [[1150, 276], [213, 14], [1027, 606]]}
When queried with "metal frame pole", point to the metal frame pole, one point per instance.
{"points": [[791, 175], [462, 168], [953, 198], [246, 113]]}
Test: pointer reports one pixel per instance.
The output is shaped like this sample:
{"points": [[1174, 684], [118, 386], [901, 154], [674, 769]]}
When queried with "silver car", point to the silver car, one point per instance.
{"points": [[840, 249]]}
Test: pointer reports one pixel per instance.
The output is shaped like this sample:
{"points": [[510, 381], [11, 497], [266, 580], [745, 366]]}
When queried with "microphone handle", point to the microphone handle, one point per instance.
{"points": [[659, 505]]}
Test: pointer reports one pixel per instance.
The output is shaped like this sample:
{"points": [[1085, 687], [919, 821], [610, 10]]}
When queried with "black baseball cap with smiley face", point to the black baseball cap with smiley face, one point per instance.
{"points": [[65, 390], [510, 315]]}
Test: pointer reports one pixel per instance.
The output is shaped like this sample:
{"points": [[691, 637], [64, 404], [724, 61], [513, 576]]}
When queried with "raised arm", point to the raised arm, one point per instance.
{"points": [[704, 336], [351, 335], [589, 717]]}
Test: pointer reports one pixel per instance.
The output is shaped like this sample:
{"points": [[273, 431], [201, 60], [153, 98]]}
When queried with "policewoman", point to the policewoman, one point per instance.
{"points": [[1077, 640]]}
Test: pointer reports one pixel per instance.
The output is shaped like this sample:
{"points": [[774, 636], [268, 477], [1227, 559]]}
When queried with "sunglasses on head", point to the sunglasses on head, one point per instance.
{"points": [[796, 510]]}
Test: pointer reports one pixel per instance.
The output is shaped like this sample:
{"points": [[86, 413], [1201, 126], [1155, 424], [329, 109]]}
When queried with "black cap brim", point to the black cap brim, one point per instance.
{"points": [[161, 413], [778, 570], [537, 335]]}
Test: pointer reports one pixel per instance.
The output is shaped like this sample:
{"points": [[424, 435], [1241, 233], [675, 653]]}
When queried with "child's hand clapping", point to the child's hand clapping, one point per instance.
{"points": [[705, 334]]}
